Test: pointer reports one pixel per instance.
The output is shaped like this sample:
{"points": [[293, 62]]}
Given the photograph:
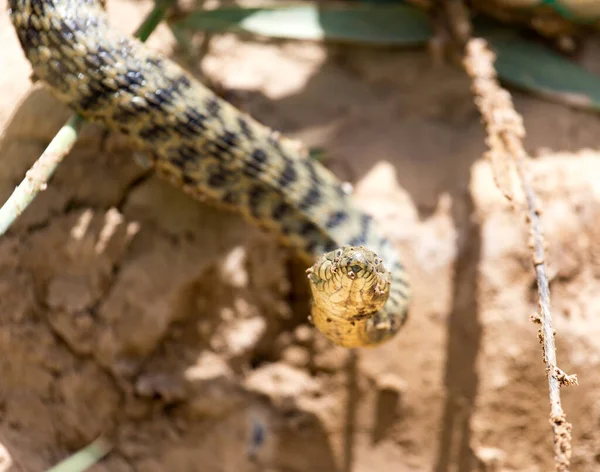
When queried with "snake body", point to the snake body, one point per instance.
{"points": [[216, 153]]}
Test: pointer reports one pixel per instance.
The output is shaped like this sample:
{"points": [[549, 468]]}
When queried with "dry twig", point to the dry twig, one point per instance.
{"points": [[505, 131]]}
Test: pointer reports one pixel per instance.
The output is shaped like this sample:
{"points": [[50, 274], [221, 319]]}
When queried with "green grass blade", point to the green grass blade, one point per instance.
{"points": [[85, 458], [153, 19], [384, 25]]}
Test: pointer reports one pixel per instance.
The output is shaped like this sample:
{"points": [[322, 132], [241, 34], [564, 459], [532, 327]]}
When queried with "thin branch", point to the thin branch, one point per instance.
{"points": [[36, 178], [505, 132]]}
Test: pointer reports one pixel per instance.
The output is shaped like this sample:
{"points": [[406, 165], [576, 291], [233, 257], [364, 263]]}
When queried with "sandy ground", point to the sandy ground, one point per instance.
{"points": [[180, 332]]}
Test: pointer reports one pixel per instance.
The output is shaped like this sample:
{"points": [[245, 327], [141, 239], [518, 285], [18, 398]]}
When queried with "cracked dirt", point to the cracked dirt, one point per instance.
{"points": [[178, 331]]}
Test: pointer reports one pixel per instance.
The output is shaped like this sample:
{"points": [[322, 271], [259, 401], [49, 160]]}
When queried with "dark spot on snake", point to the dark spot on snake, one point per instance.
{"points": [[356, 269], [336, 219], [289, 175], [225, 144], [187, 180], [281, 210], [308, 229], [251, 171], [220, 178], [187, 153], [31, 37], [231, 198], [66, 31], [255, 197], [312, 197], [329, 320], [259, 156], [124, 116], [310, 165], [92, 61], [155, 61], [245, 128], [150, 133], [38, 6], [213, 106], [106, 57], [99, 93], [353, 323], [181, 83], [164, 94], [177, 162], [256, 164], [134, 77], [285, 229], [195, 123], [153, 133], [158, 98]]}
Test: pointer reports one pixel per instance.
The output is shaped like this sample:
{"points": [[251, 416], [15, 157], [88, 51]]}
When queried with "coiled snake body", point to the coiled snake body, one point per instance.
{"points": [[214, 152]]}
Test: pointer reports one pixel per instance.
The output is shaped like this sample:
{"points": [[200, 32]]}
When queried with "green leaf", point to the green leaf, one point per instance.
{"points": [[534, 67], [384, 25], [521, 63]]}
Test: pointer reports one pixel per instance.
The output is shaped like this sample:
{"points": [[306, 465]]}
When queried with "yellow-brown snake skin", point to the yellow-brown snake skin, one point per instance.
{"points": [[216, 153]]}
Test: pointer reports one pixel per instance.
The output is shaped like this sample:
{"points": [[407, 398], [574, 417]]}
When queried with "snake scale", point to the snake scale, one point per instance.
{"points": [[216, 153]]}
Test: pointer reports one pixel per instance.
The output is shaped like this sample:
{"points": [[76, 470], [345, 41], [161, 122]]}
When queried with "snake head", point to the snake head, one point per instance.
{"points": [[350, 279]]}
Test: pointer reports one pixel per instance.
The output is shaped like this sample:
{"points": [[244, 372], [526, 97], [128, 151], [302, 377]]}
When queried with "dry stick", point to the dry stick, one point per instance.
{"points": [[505, 132], [37, 177]]}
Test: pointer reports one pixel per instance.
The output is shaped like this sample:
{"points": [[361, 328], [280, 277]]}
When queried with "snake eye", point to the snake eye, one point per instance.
{"points": [[338, 253], [376, 261]]}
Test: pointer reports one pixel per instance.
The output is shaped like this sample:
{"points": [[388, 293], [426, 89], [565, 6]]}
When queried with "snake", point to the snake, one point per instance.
{"points": [[218, 154]]}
